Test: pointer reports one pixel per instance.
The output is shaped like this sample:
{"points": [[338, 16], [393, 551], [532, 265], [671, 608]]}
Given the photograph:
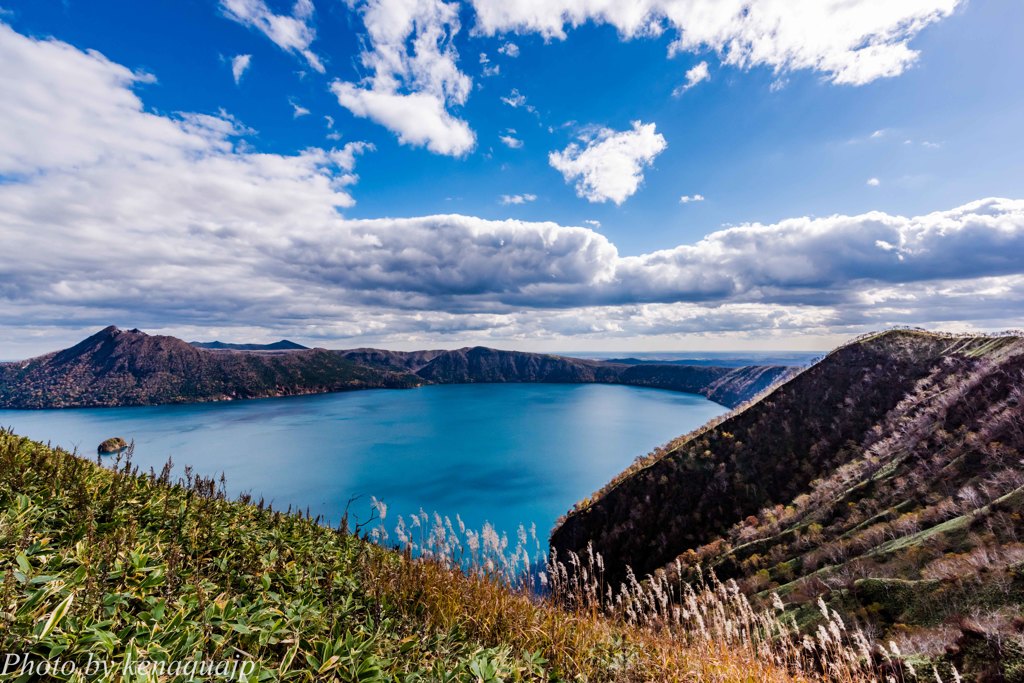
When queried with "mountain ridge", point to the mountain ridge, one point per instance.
{"points": [[129, 367], [280, 345], [886, 480]]}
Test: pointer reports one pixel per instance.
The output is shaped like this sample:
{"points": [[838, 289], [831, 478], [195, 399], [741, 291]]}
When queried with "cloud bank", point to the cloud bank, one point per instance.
{"points": [[112, 213], [414, 79], [851, 42]]}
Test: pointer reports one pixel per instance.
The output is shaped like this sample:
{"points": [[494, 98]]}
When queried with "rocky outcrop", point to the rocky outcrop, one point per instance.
{"points": [[112, 445]]}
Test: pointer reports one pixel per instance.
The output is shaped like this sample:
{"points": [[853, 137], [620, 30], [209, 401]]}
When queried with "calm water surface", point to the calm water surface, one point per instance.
{"points": [[504, 453]]}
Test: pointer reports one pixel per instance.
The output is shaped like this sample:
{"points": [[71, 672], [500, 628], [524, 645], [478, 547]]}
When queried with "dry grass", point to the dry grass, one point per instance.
{"points": [[122, 565]]}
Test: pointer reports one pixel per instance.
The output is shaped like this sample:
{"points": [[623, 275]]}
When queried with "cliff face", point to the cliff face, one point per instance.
{"points": [[116, 367], [886, 479], [727, 386]]}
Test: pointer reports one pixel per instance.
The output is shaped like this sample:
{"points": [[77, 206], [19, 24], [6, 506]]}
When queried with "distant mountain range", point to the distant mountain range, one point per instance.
{"points": [[283, 345], [887, 479], [127, 367]]}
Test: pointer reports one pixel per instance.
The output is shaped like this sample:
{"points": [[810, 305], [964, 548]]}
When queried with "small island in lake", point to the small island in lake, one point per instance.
{"points": [[112, 445]]}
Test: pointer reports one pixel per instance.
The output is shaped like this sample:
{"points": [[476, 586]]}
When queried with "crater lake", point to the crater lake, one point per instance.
{"points": [[508, 454]]}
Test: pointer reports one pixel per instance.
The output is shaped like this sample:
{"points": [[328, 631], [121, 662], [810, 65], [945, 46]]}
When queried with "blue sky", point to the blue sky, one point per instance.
{"points": [[783, 126]]}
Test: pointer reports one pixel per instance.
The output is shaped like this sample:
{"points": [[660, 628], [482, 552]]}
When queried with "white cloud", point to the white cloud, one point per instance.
{"points": [[610, 165], [176, 224], [880, 133], [414, 74], [688, 198], [507, 199], [509, 50], [592, 223], [488, 68], [239, 65], [511, 141], [853, 42], [697, 74], [297, 109], [418, 119], [291, 32], [874, 182], [515, 99]]}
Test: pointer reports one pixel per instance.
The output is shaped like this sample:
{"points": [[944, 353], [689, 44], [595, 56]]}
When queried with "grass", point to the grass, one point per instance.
{"points": [[113, 565]]}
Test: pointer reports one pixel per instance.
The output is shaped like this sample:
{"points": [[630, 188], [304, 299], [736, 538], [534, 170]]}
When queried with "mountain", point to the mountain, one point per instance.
{"points": [[481, 364], [410, 361], [283, 345], [886, 479], [128, 367], [117, 367], [728, 386]]}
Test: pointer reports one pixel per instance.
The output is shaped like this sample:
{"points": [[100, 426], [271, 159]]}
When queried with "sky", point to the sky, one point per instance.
{"points": [[534, 174]]}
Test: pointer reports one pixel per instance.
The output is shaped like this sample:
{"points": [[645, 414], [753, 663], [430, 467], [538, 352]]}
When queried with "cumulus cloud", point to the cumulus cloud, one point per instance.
{"points": [[852, 42], [414, 77], [418, 119], [610, 165], [874, 182], [509, 50], [698, 74], [291, 32], [507, 199], [688, 198], [169, 222], [239, 65], [297, 109]]}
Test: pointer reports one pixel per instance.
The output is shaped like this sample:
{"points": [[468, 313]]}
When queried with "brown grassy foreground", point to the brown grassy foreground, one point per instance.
{"points": [[128, 567]]}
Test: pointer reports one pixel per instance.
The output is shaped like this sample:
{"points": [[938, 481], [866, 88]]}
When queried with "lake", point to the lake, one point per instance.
{"points": [[503, 453]]}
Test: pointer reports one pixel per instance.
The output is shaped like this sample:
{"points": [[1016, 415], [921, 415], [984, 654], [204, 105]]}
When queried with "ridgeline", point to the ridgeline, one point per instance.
{"points": [[127, 367], [886, 479]]}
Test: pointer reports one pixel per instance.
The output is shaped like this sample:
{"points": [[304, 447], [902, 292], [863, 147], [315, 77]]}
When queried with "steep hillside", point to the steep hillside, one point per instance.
{"points": [[118, 367], [887, 479], [727, 386]]}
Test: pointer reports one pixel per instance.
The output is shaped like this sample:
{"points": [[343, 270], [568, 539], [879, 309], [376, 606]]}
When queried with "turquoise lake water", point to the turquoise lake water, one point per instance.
{"points": [[503, 453]]}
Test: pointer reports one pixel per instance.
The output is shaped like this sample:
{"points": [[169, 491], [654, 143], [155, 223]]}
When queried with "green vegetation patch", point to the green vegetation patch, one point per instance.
{"points": [[105, 566]]}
